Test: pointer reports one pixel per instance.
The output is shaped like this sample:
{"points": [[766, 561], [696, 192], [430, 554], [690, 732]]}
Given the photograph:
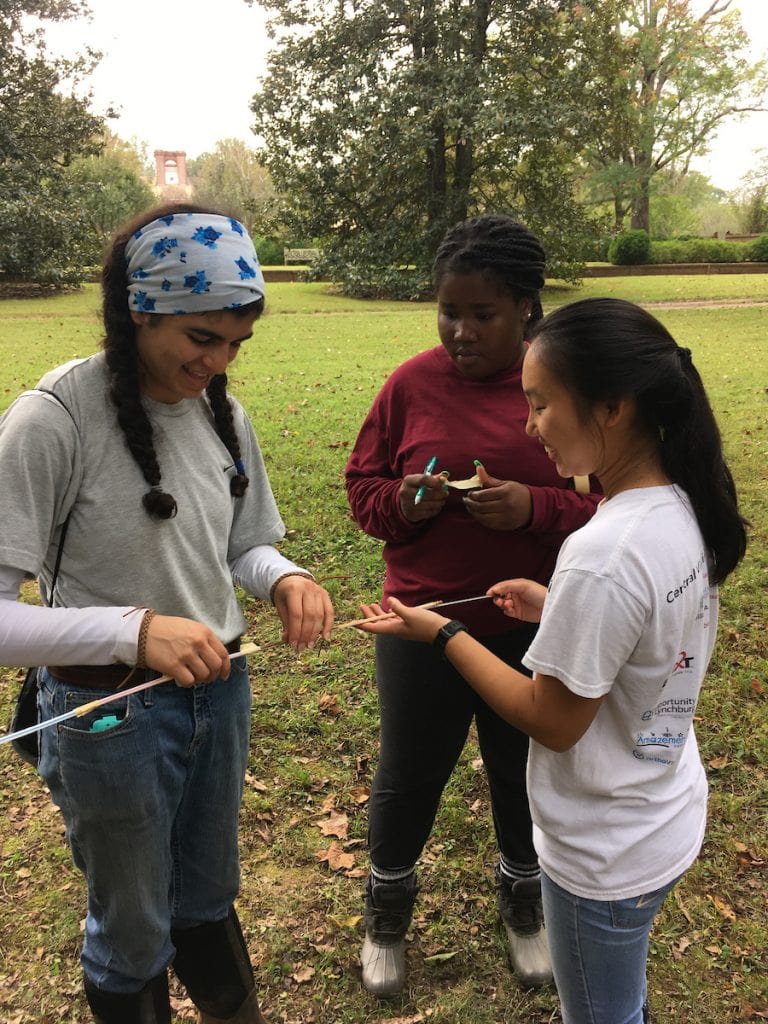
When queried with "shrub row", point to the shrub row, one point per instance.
{"points": [[631, 248]]}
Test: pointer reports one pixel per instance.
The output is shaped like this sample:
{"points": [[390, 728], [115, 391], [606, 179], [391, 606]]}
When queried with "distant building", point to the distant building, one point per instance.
{"points": [[171, 174]]}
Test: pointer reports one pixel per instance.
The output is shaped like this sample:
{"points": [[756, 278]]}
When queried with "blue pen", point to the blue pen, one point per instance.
{"points": [[427, 470]]}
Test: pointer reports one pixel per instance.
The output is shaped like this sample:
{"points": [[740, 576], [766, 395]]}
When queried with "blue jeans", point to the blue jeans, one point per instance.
{"points": [[599, 951], [151, 811]]}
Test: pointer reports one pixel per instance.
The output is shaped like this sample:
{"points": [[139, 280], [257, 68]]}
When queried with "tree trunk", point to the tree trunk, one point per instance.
{"points": [[641, 205]]}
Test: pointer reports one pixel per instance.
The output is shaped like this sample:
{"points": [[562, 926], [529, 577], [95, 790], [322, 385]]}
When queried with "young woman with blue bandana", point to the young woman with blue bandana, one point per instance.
{"points": [[153, 475]]}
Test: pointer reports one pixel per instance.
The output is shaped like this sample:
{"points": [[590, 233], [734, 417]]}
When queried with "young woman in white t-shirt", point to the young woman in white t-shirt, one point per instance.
{"points": [[617, 787]]}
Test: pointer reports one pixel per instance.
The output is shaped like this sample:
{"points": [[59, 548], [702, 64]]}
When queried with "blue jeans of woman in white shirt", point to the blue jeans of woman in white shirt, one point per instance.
{"points": [[599, 952]]}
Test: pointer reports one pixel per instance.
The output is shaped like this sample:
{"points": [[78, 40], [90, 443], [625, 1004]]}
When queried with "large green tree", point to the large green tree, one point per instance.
{"points": [[386, 121], [751, 198], [670, 77], [107, 189], [232, 176], [43, 126]]}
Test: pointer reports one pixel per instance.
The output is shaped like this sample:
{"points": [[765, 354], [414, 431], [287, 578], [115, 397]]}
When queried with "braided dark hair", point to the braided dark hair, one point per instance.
{"points": [[500, 248], [123, 362], [603, 350]]}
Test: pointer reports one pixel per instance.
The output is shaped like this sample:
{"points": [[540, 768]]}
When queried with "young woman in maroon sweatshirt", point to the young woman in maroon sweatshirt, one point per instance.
{"points": [[460, 404]]}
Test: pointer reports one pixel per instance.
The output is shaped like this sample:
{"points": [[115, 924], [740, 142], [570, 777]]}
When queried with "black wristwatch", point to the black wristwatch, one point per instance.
{"points": [[445, 633]]}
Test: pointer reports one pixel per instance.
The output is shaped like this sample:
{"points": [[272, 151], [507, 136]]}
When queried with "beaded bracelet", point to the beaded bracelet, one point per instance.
{"points": [[141, 647], [294, 572]]}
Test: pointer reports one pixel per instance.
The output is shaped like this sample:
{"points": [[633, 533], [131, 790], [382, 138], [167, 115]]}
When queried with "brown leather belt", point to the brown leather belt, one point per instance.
{"points": [[112, 677]]}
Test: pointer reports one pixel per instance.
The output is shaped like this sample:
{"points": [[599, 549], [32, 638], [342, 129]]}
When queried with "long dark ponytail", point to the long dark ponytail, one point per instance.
{"points": [[123, 363], [499, 247], [607, 349]]}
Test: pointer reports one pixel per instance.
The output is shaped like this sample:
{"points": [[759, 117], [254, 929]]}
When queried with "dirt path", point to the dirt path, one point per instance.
{"points": [[706, 303]]}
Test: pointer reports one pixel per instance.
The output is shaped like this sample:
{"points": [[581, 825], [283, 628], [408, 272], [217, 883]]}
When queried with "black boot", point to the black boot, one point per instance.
{"points": [[519, 904], [149, 1006], [388, 910], [213, 964]]}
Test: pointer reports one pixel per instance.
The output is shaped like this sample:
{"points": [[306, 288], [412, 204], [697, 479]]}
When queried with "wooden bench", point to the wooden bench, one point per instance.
{"points": [[300, 255]]}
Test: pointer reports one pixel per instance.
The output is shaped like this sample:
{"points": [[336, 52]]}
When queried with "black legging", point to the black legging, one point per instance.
{"points": [[426, 709]]}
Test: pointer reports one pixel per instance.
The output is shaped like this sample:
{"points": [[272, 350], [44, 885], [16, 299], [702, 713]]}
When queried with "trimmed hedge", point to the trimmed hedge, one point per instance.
{"points": [[758, 250], [635, 248], [699, 250]]}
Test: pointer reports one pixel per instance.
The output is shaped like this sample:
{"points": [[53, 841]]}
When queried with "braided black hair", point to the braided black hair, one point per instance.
{"points": [[500, 248], [123, 362]]}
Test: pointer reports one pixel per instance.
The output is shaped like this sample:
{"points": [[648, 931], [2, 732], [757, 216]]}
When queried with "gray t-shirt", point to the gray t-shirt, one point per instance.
{"points": [[53, 461]]}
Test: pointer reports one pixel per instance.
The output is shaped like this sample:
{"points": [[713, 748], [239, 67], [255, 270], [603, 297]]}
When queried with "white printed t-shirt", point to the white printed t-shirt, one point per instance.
{"points": [[630, 615]]}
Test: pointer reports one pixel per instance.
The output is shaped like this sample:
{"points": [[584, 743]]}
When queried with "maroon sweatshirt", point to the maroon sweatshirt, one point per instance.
{"points": [[428, 408]]}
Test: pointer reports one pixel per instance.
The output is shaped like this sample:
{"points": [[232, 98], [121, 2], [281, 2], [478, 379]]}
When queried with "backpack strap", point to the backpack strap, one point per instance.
{"points": [[65, 527]]}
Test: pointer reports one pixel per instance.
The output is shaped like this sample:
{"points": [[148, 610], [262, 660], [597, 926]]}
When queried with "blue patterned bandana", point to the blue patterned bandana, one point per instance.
{"points": [[192, 263]]}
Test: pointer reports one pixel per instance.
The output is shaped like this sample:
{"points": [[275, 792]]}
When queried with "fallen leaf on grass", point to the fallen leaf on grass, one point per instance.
{"points": [[361, 794], [303, 975], [346, 922], [679, 948], [748, 1012], [329, 703], [254, 783], [723, 908], [336, 858], [336, 825], [746, 856], [719, 762], [681, 907], [405, 1020], [757, 686], [440, 957]]}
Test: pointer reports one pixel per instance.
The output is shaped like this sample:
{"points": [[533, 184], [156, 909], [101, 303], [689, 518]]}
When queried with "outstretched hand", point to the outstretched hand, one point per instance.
{"points": [[500, 504], [402, 621], [519, 599]]}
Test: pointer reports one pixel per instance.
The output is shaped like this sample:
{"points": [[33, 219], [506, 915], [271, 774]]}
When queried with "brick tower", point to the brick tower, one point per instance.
{"points": [[171, 174]]}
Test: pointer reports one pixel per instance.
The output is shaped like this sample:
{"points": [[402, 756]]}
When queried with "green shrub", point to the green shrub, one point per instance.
{"points": [[630, 248], [758, 250], [698, 250], [595, 249], [269, 250]]}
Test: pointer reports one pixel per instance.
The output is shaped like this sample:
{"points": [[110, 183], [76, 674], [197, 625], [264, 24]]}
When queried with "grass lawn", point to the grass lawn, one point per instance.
{"points": [[308, 376]]}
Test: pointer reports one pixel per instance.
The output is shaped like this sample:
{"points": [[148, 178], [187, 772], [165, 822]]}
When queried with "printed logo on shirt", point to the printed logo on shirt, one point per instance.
{"points": [[684, 662], [678, 707], [649, 746], [656, 758], [666, 739], [698, 570]]}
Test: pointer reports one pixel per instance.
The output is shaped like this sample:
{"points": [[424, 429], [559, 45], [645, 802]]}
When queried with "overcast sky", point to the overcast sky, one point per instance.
{"points": [[182, 74]]}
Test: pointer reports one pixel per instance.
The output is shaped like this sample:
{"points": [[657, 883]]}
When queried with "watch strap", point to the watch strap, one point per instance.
{"points": [[445, 633]]}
